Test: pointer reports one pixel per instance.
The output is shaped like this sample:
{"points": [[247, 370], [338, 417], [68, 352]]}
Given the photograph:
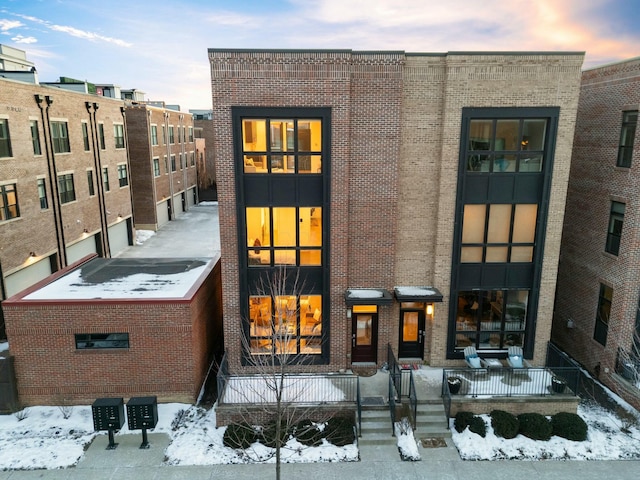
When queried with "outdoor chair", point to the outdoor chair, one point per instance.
{"points": [[516, 359], [472, 359]]}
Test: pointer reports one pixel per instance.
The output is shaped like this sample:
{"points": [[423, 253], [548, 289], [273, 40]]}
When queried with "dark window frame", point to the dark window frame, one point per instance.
{"points": [[102, 341], [627, 138], [123, 178], [35, 137], [60, 136], [66, 188], [5, 139], [42, 193], [85, 136], [9, 210], [105, 179], [118, 135], [90, 184], [156, 166], [103, 145], [154, 135], [603, 314], [615, 226]]}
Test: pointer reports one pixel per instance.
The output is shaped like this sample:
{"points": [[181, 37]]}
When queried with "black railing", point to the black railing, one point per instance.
{"points": [[413, 400], [394, 369], [392, 405], [359, 410]]}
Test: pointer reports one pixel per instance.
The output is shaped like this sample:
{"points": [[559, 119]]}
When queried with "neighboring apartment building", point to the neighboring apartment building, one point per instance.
{"points": [[64, 181], [203, 122], [163, 163], [420, 198], [598, 296]]}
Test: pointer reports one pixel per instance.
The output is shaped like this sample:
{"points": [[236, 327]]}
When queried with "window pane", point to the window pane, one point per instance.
{"points": [[309, 135], [504, 163], [471, 255], [530, 163], [499, 224], [255, 164], [507, 135], [480, 134], [284, 227], [473, 224], [533, 134], [310, 257], [521, 254], [281, 135], [283, 163], [254, 135], [479, 163], [284, 257], [524, 223], [310, 223], [496, 254], [260, 315], [309, 164], [258, 230]]}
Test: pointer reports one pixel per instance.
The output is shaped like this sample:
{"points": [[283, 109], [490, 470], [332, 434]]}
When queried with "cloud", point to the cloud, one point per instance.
{"points": [[232, 19], [74, 32], [6, 25], [21, 39]]}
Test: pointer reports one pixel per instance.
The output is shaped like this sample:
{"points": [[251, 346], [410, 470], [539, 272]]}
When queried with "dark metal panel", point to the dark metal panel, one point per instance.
{"points": [[520, 275], [493, 275], [310, 190], [469, 276], [283, 190], [501, 188], [477, 191], [528, 188], [256, 191]]}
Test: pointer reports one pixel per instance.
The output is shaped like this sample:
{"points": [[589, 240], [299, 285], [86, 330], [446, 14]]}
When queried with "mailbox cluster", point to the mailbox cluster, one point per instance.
{"points": [[108, 414]]}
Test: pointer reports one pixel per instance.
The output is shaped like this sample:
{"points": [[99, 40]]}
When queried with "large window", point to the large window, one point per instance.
{"points": [[5, 139], [285, 324], [101, 136], [42, 194], [498, 233], [282, 146], [154, 135], [85, 136], [172, 135], [118, 135], [86, 341], [627, 136], [491, 319], [156, 167], [105, 179], [123, 180], [602, 315], [66, 188], [284, 235], [92, 190], [60, 137], [614, 232], [35, 137], [8, 202]]}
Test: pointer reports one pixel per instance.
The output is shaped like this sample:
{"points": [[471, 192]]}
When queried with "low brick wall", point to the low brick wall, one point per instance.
{"points": [[264, 414], [549, 405]]}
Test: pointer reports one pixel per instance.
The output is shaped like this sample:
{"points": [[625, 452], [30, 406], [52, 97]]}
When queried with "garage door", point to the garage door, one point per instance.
{"points": [[81, 249], [162, 212], [26, 277], [118, 237]]}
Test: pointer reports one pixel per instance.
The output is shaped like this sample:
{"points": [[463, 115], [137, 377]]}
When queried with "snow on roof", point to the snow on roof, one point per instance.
{"points": [[364, 293], [415, 291], [124, 279]]}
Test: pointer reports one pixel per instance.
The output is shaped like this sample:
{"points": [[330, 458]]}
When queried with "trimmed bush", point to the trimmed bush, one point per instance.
{"points": [[504, 424], [307, 433], [268, 436], [339, 431], [239, 435], [570, 426], [478, 426], [462, 421], [535, 426]]}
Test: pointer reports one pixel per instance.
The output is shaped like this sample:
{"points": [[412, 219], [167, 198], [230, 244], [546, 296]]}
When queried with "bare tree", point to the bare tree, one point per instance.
{"points": [[275, 349]]}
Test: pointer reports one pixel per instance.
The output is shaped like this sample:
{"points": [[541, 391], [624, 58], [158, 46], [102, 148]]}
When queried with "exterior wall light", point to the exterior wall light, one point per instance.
{"points": [[348, 313], [430, 309]]}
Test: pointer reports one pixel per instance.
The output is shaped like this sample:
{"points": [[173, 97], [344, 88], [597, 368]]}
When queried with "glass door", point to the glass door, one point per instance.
{"points": [[364, 337]]}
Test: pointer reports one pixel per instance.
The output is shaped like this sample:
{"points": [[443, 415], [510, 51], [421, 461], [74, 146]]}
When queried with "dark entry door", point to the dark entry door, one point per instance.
{"points": [[411, 334], [364, 338]]}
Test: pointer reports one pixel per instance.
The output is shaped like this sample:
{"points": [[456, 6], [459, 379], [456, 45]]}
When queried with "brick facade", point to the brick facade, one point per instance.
{"points": [[395, 140], [595, 181]]}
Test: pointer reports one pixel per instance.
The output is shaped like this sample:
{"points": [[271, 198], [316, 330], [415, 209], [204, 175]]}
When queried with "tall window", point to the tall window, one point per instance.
{"points": [[92, 190], [66, 188], [282, 146], [42, 194], [191, 134], [118, 135], [8, 202], [616, 219], [85, 136], [101, 135], [60, 137], [284, 236], [295, 322], [156, 167], [172, 133], [35, 137], [164, 135], [154, 135], [5, 139], [173, 163], [627, 136], [602, 315], [105, 178], [123, 181]]}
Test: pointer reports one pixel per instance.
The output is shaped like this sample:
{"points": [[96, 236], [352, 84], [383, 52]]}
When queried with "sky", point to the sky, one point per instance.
{"points": [[161, 48]]}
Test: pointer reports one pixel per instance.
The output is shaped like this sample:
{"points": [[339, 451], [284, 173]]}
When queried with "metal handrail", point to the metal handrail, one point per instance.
{"points": [[392, 405], [413, 400], [359, 410]]}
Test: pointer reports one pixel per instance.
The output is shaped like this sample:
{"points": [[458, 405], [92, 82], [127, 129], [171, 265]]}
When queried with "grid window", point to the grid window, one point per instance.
{"points": [[191, 134], [92, 190], [101, 135], [123, 180], [156, 167], [118, 135], [42, 194], [173, 163], [66, 188], [105, 178], [164, 135], [602, 315], [627, 136], [60, 137], [35, 137], [5, 139], [85, 136], [282, 146], [614, 233], [172, 134], [85, 341], [154, 135], [8, 202]]}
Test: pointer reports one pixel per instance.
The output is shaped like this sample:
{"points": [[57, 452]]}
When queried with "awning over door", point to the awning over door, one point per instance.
{"points": [[417, 294], [367, 296]]}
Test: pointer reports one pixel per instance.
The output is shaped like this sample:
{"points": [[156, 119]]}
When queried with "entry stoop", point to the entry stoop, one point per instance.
{"points": [[376, 427], [431, 421]]}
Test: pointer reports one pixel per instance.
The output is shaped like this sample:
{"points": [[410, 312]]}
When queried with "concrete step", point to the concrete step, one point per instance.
{"points": [[378, 439]]}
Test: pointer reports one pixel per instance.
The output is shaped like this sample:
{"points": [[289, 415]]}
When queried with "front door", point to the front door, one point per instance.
{"points": [[411, 334], [364, 337]]}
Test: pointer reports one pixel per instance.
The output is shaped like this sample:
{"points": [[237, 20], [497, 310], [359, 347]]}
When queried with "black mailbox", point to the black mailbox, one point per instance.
{"points": [[108, 413], [142, 412]]}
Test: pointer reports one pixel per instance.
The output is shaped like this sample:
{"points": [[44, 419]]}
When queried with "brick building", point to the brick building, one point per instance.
{"points": [[420, 198], [118, 327], [163, 163], [203, 122], [64, 181], [597, 302]]}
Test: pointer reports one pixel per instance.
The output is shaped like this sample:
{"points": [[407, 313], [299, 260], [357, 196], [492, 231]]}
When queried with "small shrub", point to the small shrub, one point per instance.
{"points": [[504, 424], [535, 426], [269, 435], [308, 433], [462, 421], [569, 426], [339, 431], [239, 435], [478, 426]]}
